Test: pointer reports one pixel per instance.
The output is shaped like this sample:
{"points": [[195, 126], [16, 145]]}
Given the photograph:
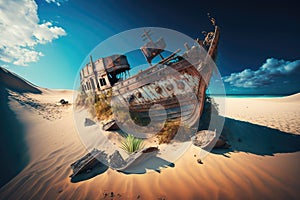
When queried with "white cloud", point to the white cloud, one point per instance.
{"points": [[265, 75], [21, 31], [57, 2], [46, 32]]}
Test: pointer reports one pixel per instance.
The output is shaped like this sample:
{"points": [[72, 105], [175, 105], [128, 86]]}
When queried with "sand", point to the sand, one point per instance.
{"points": [[262, 163]]}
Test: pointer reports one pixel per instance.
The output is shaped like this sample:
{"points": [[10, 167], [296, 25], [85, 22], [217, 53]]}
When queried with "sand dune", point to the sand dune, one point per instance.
{"points": [[278, 113], [40, 136], [291, 98], [16, 83]]}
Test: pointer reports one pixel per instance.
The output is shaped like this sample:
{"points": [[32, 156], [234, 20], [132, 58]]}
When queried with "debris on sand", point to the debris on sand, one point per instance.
{"points": [[116, 160], [199, 161], [222, 143], [203, 138], [63, 102], [89, 122]]}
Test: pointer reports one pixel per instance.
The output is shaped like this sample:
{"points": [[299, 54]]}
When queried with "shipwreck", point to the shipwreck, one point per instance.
{"points": [[177, 83], [156, 84]]}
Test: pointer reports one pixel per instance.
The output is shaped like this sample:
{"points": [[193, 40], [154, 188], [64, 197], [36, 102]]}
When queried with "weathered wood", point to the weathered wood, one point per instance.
{"points": [[88, 162], [152, 86], [136, 158], [204, 138], [111, 126], [169, 57]]}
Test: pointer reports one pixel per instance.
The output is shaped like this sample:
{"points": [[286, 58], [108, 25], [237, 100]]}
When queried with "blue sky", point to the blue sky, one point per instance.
{"points": [[258, 52]]}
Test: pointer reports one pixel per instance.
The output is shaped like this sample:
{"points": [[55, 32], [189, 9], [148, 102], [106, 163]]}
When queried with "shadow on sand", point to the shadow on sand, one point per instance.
{"points": [[242, 136], [95, 171], [154, 164], [260, 140], [247, 137], [13, 149]]}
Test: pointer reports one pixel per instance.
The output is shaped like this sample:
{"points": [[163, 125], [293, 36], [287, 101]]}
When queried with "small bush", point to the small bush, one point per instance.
{"points": [[168, 132], [97, 105], [132, 144], [102, 107], [103, 110]]}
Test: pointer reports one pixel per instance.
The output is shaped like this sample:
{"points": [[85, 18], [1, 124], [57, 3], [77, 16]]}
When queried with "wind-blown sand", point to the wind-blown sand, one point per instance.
{"points": [[40, 141]]}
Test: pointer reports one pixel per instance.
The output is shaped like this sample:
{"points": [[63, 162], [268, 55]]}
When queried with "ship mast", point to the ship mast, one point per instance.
{"points": [[147, 35]]}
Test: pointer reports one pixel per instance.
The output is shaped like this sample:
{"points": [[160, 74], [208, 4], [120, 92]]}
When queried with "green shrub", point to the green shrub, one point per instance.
{"points": [[132, 144]]}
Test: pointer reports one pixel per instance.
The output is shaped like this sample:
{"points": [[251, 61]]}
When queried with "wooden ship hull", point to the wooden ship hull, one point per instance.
{"points": [[110, 126], [177, 83], [180, 91]]}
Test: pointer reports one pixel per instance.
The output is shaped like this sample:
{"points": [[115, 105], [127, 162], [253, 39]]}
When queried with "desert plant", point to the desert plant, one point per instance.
{"points": [[103, 110], [102, 107], [132, 144], [168, 132]]}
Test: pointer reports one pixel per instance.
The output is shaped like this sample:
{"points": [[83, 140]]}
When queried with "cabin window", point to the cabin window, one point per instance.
{"points": [[102, 81]]}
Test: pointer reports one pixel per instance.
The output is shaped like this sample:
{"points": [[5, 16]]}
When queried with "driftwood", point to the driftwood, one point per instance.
{"points": [[88, 162], [204, 138], [97, 157], [207, 138], [136, 158], [110, 126], [89, 122]]}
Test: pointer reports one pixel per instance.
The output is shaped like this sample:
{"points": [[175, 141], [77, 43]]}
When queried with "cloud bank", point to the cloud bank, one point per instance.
{"points": [[21, 31], [265, 75]]}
